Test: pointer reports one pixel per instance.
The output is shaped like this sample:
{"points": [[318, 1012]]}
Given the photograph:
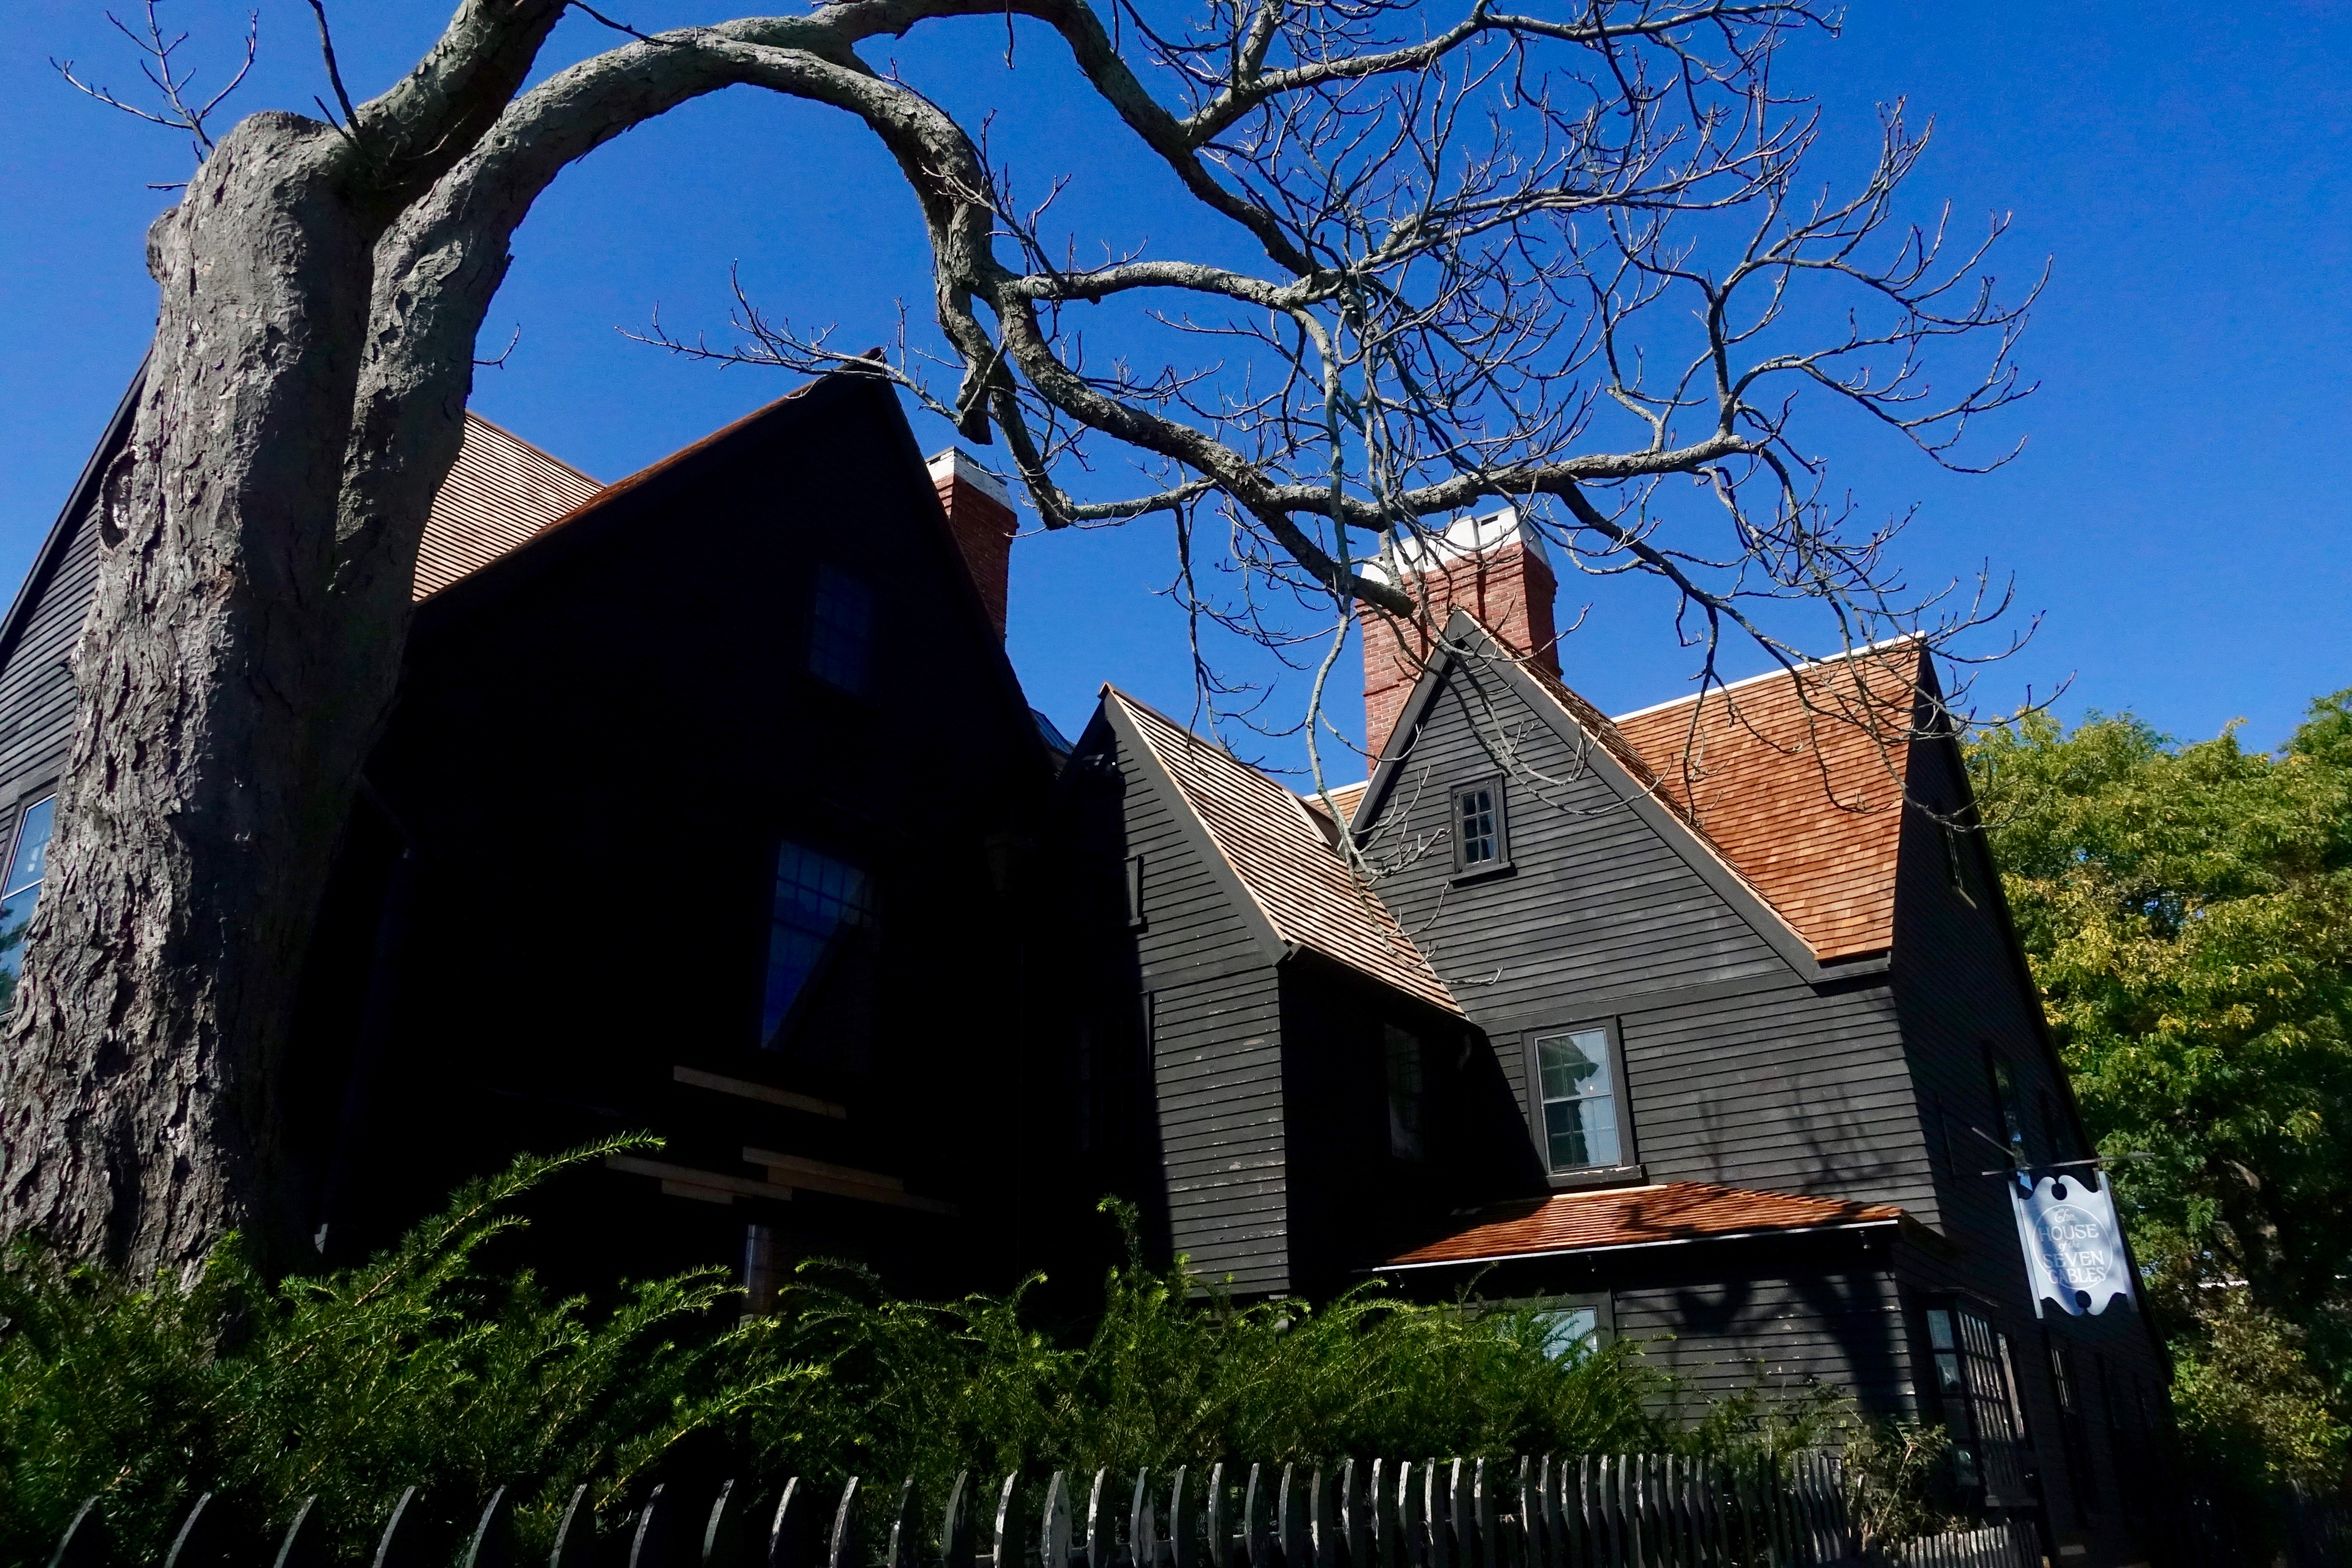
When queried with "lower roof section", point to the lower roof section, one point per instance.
{"points": [[1662, 1215]]}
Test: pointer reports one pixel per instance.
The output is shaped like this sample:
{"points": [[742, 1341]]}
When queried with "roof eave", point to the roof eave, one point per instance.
{"points": [[1756, 1233]]}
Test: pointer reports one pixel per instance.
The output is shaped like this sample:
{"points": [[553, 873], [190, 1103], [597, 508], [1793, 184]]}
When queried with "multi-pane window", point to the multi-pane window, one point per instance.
{"points": [[841, 630], [823, 907], [1977, 1388], [1579, 1100], [28, 867], [1407, 1088], [1478, 827], [1569, 1331]]}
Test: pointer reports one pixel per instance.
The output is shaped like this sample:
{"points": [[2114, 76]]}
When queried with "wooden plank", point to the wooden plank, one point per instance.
{"points": [[839, 1181], [709, 1184], [743, 1088]]}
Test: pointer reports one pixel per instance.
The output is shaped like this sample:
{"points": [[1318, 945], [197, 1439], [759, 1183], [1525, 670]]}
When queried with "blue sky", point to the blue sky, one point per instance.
{"points": [[2178, 520]]}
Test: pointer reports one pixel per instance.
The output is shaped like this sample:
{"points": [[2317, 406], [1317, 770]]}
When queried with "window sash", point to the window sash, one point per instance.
{"points": [[1576, 1091], [1479, 829]]}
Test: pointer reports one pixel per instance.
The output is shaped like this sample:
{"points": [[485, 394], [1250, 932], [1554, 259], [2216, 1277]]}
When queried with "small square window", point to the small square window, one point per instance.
{"points": [[841, 631], [1479, 843]]}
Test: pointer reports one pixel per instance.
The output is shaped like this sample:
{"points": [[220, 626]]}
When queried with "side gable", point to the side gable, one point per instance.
{"points": [[1207, 962], [1276, 860], [1581, 753]]}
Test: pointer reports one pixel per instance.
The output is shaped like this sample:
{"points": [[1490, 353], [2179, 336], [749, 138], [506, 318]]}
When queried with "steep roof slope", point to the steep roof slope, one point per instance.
{"points": [[1798, 777], [1283, 855], [500, 493]]}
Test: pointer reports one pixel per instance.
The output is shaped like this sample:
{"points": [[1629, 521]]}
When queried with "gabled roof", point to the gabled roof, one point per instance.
{"points": [[500, 493], [1637, 1216], [1278, 854], [1798, 777]]}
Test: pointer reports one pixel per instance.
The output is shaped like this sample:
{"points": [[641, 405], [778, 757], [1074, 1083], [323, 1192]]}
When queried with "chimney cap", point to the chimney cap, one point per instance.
{"points": [[958, 464], [1462, 538]]}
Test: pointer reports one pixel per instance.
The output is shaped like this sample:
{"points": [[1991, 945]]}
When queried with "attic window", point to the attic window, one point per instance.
{"points": [[841, 631], [1478, 843]]}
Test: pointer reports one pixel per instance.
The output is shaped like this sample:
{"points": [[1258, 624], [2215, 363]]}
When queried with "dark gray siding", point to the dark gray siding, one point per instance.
{"points": [[1216, 1049], [1738, 1070], [37, 689], [1725, 1330]]}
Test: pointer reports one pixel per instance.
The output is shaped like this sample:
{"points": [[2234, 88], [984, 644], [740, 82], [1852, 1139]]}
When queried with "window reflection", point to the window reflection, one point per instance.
{"points": [[1579, 1100], [821, 904], [28, 867]]}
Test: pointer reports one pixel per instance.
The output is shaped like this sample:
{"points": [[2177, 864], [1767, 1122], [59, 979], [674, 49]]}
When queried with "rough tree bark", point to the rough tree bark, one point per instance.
{"points": [[322, 287]]}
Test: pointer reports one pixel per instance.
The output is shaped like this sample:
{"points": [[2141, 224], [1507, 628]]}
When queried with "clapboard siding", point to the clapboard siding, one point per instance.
{"points": [[1790, 1087], [1216, 1099], [37, 689], [1731, 1328]]}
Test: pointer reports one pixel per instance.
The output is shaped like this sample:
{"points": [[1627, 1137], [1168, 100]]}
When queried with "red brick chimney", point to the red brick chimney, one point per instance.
{"points": [[980, 515], [1493, 566]]}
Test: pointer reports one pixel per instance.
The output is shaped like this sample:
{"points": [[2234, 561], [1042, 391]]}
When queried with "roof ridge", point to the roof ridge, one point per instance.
{"points": [[1822, 662]]}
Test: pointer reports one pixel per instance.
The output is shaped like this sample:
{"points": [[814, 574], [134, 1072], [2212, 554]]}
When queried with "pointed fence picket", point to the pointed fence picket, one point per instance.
{"points": [[1607, 1511]]}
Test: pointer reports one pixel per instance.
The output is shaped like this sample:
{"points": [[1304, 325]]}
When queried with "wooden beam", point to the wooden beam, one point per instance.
{"points": [[744, 1088], [710, 1186], [841, 1181]]}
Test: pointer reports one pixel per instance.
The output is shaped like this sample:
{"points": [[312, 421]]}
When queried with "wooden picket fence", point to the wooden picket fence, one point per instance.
{"points": [[2011, 1544], [1595, 1512]]}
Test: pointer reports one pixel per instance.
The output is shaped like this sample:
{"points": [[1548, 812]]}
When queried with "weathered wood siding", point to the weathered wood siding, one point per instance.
{"points": [[37, 689], [1216, 1108]]}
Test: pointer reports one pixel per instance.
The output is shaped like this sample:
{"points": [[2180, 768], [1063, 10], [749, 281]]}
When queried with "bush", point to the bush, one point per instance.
{"points": [[434, 1366]]}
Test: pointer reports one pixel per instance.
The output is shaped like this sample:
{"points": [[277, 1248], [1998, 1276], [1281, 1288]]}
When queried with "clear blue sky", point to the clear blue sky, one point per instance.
{"points": [[2178, 520]]}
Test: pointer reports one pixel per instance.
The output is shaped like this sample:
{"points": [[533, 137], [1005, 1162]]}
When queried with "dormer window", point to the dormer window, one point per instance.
{"points": [[841, 631], [1479, 843]]}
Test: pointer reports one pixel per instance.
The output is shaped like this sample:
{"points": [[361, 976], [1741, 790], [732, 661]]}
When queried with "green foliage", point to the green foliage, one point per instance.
{"points": [[1894, 1477], [421, 1367], [1173, 1373], [2187, 911], [435, 1366], [2250, 1400]]}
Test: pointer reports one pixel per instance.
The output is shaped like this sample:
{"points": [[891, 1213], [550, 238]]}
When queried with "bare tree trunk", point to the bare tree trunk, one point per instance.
{"points": [[225, 711]]}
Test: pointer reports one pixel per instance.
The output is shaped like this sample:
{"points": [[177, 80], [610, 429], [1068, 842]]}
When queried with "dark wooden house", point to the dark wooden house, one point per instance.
{"points": [[712, 806], [698, 814], [1703, 1027]]}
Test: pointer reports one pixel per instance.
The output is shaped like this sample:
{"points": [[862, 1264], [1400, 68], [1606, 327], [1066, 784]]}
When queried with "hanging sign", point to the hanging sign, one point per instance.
{"points": [[2073, 1247]]}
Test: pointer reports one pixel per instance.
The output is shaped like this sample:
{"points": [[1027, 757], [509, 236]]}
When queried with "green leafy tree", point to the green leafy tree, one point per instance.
{"points": [[2187, 911]]}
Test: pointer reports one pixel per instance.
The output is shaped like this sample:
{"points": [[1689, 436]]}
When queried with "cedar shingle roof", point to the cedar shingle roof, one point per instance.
{"points": [[500, 493], [1797, 778], [1285, 861], [1637, 1216]]}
